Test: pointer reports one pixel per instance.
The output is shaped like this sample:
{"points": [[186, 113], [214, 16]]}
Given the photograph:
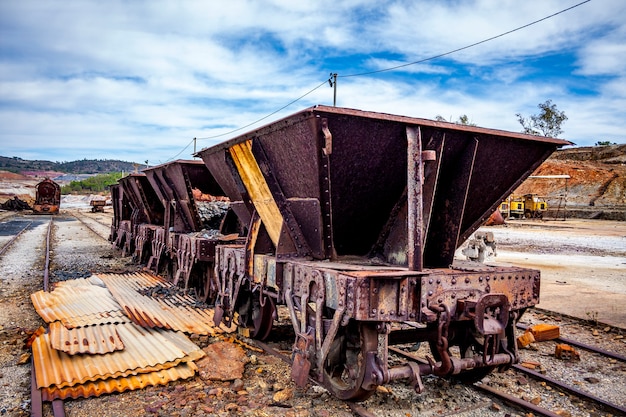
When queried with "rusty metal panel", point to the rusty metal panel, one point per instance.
{"points": [[175, 181], [168, 308], [183, 370], [97, 339], [144, 200], [146, 350], [78, 302], [360, 160]]}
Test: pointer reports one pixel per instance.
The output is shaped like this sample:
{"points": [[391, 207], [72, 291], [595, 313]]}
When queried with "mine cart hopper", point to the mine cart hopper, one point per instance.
{"points": [[185, 242], [47, 197], [121, 230], [354, 218], [97, 206], [147, 214]]}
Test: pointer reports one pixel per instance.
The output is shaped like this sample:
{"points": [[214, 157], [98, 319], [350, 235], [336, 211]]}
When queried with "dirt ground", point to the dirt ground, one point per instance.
{"points": [[582, 264]]}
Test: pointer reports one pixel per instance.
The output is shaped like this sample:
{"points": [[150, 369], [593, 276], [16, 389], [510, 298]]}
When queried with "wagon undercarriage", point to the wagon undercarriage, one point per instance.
{"points": [[346, 315]]}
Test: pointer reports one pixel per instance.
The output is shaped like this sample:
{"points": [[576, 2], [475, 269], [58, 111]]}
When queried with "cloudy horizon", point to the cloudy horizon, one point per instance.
{"points": [[137, 81]]}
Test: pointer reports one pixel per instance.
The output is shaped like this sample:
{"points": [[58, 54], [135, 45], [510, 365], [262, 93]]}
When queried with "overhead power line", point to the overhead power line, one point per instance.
{"points": [[333, 76], [265, 117], [465, 47]]}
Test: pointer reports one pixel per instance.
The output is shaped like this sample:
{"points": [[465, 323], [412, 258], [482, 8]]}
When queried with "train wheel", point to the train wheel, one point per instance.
{"points": [[262, 316], [344, 368], [202, 288]]}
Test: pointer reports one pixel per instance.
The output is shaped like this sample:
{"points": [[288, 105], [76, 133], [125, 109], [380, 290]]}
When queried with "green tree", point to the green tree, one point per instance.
{"points": [[95, 184], [462, 120], [605, 143], [547, 123]]}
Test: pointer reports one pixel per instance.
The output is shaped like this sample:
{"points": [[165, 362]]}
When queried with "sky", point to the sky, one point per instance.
{"points": [[138, 80]]}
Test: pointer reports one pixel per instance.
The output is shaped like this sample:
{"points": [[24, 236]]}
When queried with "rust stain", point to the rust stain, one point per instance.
{"points": [[184, 370], [78, 302], [146, 350], [97, 339]]}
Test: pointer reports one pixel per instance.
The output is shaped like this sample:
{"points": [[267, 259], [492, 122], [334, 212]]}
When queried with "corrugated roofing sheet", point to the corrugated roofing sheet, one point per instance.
{"points": [[146, 350], [166, 309], [96, 339], [108, 386], [78, 302], [99, 309]]}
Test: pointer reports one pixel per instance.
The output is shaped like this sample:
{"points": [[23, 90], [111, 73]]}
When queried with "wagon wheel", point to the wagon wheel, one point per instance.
{"points": [[262, 316], [202, 288], [344, 367]]}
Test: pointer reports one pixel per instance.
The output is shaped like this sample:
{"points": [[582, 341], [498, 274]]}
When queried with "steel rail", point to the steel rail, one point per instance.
{"points": [[572, 390], [58, 408], [14, 238], [517, 401], [46, 268], [78, 217]]}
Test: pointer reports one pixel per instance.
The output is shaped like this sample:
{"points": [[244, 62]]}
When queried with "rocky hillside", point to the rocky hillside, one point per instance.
{"points": [[596, 187], [85, 166]]}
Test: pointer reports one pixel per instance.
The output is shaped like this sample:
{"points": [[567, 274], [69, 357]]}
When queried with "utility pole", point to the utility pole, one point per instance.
{"points": [[332, 81], [194, 146]]}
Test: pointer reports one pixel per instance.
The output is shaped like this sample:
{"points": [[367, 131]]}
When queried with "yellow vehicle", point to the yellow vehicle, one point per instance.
{"points": [[528, 206]]}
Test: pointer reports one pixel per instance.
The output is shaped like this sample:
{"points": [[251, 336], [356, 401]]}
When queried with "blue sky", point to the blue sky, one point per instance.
{"points": [[138, 80]]}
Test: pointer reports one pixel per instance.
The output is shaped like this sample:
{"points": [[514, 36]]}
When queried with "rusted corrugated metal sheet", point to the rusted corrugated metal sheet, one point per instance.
{"points": [[146, 350], [152, 302], [78, 302], [108, 386], [98, 339]]}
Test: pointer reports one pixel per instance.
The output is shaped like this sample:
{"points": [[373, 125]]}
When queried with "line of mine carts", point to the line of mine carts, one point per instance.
{"points": [[349, 219]]}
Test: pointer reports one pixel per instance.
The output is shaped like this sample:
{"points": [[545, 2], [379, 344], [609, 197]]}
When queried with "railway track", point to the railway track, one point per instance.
{"points": [[35, 251], [579, 398], [96, 226], [5, 228], [68, 258]]}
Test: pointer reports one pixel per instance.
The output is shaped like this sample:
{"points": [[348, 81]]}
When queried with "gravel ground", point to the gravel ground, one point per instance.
{"points": [[264, 389]]}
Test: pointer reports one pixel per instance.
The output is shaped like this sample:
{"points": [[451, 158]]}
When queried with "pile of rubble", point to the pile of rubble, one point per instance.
{"points": [[15, 204]]}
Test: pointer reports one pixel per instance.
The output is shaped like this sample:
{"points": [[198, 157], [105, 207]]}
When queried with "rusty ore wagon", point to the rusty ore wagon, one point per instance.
{"points": [[351, 219]]}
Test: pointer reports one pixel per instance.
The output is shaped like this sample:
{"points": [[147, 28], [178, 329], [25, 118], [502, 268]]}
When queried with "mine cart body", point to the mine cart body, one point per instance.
{"points": [[47, 197], [121, 229], [97, 206], [353, 221], [188, 236], [147, 214]]}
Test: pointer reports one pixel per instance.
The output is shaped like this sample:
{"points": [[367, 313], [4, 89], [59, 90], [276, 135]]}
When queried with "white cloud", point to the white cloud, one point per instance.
{"points": [[137, 80]]}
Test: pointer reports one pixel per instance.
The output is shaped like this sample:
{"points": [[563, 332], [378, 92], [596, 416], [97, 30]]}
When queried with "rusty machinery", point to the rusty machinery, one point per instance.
{"points": [[351, 220], [47, 197]]}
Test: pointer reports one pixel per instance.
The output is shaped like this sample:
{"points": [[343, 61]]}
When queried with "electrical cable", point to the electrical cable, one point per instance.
{"points": [[182, 150], [464, 47], [265, 117], [330, 80]]}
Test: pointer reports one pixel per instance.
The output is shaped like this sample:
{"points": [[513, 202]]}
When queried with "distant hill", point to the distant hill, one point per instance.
{"points": [[85, 166], [596, 187]]}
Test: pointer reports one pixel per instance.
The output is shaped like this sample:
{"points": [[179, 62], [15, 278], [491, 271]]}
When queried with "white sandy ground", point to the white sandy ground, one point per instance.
{"points": [[582, 264]]}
